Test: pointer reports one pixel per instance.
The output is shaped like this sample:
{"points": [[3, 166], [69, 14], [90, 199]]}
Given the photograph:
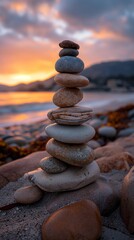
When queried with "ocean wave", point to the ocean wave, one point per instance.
{"points": [[23, 108]]}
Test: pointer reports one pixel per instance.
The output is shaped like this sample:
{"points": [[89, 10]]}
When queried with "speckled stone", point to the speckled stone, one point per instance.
{"points": [[28, 195], [73, 154], [69, 44], [69, 52], [70, 115], [67, 97], [71, 80], [52, 165], [73, 178], [70, 134], [69, 64]]}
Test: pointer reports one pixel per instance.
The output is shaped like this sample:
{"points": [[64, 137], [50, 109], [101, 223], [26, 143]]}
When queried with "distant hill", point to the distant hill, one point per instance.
{"points": [[102, 72], [113, 75]]}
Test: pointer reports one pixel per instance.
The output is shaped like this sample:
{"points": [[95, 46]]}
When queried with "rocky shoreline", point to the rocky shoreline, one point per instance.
{"points": [[20, 140], [114, 155]]}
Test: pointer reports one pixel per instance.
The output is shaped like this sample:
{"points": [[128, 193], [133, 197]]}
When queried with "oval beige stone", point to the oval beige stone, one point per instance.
{"points": [[67, 97], [70, 134], [28, 195], [73, 154], [73, 178], [71, 80]]}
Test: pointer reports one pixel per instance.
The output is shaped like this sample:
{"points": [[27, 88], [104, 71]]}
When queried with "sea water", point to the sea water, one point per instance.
{"points": [[27, 107]]}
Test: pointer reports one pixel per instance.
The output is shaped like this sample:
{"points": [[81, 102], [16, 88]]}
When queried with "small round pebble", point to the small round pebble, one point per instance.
{"points": [[69, 44], [69, 64], [52, 165], [68, 52], [28, 195], [77, 221], [67, 97], [107, 131]]}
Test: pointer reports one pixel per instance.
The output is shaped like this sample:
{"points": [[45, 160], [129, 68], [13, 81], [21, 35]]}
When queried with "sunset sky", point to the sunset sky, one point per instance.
{"points": [[30, 31]]}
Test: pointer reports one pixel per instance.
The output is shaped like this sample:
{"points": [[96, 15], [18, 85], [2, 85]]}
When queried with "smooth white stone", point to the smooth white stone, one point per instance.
{"points": [[73, 178], [70, 134]]}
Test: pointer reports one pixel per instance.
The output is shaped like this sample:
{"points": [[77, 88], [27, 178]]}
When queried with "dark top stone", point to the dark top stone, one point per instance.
{"points": [[69, 52], [69, 64], [69, 44]]}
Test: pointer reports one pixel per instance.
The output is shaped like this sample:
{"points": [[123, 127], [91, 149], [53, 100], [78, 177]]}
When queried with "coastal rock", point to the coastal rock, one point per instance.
{"points": [[12, 171], [80, 220], [28, 195], [70, 134], [107, 131], [126, 143], [71, 115], [67, 97], [68, 52], [52, 165], [69, 64], [127, 201], [108, 151], [73, 178], [71, 80], [69, 44], [118, 161], [126, 132], [73, 154]]}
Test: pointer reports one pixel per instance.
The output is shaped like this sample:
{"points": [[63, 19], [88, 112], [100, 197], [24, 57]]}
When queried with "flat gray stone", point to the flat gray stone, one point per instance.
{"points": [[69, 64], [70, 134], [69, 52]]}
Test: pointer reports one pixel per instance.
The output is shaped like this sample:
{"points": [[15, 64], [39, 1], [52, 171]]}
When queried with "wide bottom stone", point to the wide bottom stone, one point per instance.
{"points": [[73, 178]]}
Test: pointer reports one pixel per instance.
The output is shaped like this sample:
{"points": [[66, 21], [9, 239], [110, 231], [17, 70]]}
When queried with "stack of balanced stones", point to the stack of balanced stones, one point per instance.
{"points": [[70, 164]]}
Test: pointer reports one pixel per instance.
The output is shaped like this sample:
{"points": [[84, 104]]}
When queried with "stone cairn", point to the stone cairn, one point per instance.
{"points": [[71, 164]]}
